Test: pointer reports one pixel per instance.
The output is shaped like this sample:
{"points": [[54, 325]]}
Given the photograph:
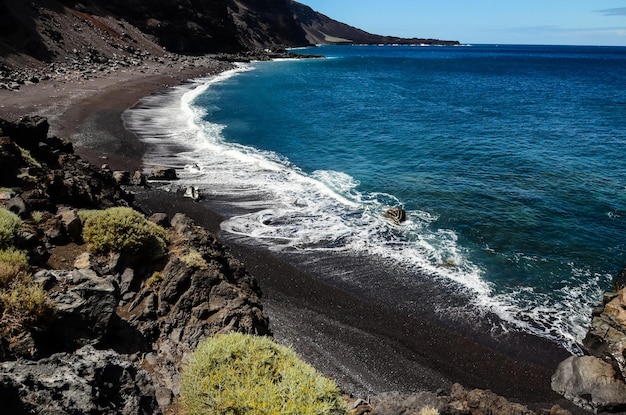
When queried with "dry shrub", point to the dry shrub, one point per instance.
{"points": [[125, 231], [23, 303], [13, 266], [429, 411], [242, 374], [10, 224], [155, 280], [194, 259]]}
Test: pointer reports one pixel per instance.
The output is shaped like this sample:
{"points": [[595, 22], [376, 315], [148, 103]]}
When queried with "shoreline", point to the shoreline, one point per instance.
{"points": [[362, 344]]}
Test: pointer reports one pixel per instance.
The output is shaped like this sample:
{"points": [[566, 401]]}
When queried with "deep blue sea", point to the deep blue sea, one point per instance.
{"points": [[509, 160]]}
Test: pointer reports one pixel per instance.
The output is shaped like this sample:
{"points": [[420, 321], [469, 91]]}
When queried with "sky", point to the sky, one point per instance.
{"points": [[548, 22]]}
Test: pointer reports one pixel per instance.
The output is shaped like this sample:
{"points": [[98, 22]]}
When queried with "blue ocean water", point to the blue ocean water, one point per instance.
{"points": [[509, 160]]}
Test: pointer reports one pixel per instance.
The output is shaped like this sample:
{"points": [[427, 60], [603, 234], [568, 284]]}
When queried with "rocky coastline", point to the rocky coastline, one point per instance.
{"points": [[117, 340], [119, 334], [121, 329]]}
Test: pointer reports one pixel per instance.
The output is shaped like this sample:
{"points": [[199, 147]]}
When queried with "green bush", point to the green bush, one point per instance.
{"points": [[10, 224], [243, 374], [13, 266], [126, 231]]}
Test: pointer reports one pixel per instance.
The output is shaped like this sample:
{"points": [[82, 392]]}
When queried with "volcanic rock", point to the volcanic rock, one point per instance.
{"points": [[590, 383], [88, 381]]}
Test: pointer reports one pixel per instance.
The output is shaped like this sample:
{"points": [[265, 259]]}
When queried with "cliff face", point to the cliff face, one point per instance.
{"points": [[201, 26], [57, 30], [321, 29]]}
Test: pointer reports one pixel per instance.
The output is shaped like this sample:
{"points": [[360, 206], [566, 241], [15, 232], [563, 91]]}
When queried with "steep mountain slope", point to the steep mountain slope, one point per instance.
{"points": [[321, 29], [47, 31]]}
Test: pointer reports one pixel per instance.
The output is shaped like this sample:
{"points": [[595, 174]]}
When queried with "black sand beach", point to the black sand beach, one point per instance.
{"points": [[366, 345]]}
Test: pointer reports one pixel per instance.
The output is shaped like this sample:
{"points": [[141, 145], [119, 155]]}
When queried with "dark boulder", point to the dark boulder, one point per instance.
{"points": [[10, 162], [86, 306], [27, 132], [88, 381], [590, 383], [396, 214], [459, 401], [163, 173]]}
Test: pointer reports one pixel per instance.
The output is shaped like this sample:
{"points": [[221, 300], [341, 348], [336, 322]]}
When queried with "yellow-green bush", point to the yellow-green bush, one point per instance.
{"points": [[22, 302], [13, 265], [126, 231], [84, 214], [25, 303], [194, 259], [10, 224], [155, 280], [232, 374]]}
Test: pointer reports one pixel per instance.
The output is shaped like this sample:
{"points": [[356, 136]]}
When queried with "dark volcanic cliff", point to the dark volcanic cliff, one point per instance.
{"points": [[58, 30]]}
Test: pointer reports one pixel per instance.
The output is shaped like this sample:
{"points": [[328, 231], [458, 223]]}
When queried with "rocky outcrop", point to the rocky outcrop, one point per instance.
{"points": [[459, 401], [125, 325], [590, 383], [598, 381], [47, 171], [163, 173], [396, 214], [153, 318], [201, 291], [87, 381]]}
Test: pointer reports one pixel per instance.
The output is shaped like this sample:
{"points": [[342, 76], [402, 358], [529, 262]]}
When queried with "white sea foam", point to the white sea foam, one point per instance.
{"points": [[282, 207]]}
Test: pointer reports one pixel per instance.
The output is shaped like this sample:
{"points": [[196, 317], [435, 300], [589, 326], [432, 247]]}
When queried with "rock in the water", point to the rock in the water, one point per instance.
{"points": [[590, 383], [163, 173], [88, 381], [192, 192], [396, 214]]}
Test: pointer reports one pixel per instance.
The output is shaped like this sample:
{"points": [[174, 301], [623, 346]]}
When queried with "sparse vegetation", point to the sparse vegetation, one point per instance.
{"points": [[13, 266], [22, 302], [429, 411], [37, 216], [10, 224], [25, 303], [126, 231], [242, 374], [30, 160], [194, 259], [155, 280]]}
